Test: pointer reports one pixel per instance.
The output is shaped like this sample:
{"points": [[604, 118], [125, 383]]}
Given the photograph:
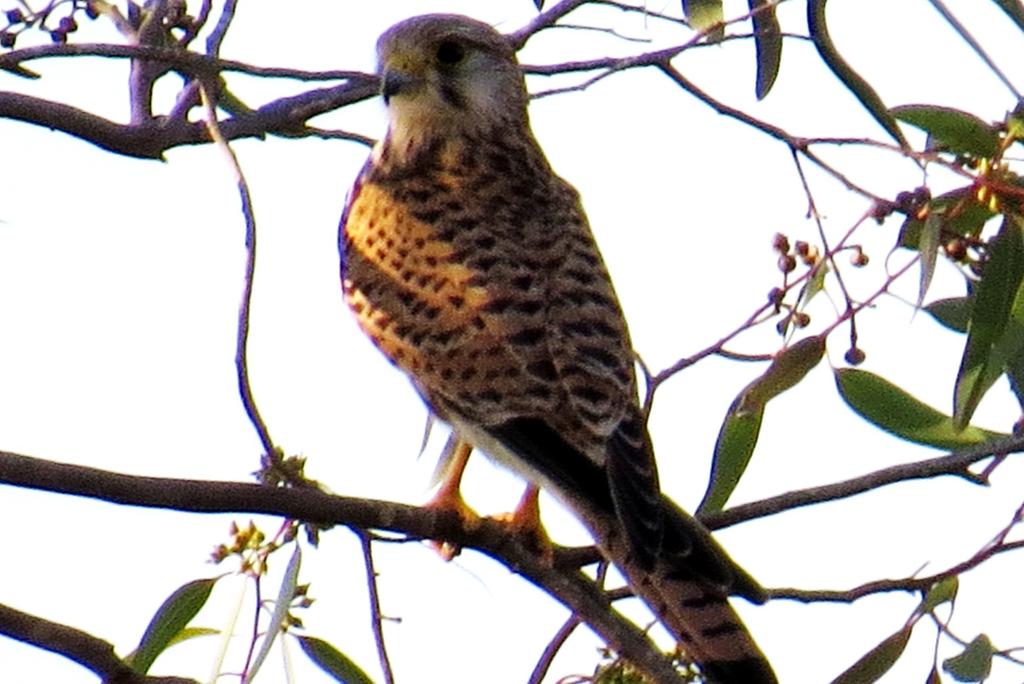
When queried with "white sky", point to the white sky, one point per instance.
{"points": [[119, 284]]}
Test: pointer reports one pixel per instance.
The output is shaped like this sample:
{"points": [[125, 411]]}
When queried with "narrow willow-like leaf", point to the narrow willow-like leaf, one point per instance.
{"points": [[332, 661], [702, 14], [994, 298], [929, 250], [890, 408], [282, 605], [739, 432], [169, 621], [1014, 10], [787, 369], [767, 44], [854, 82], [876, 662], [974, 663], [954, 130], [814, 284], [735, 444], [954, 312], [1015, 375]]}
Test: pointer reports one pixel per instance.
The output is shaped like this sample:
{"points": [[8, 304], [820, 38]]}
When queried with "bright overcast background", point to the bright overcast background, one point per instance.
{"points": [[119, 286]]}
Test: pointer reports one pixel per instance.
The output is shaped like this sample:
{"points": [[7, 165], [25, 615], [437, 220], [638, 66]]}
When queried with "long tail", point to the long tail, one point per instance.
{"points": [[675, 567], [687, 587]]}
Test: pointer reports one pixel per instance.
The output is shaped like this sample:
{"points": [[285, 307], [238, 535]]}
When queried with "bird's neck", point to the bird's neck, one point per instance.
{"points": [[408, 148]]}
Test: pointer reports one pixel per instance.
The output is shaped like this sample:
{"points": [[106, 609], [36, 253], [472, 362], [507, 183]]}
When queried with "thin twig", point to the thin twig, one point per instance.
{"points": [[376, 617], [197, 23], [941, 8], [812, 209], [244, 308], [794, 142], [220, 30], [994, 547], [543, 21], [251, 652], [540, 670], [957, 464], [191, 62], [711, 350]]}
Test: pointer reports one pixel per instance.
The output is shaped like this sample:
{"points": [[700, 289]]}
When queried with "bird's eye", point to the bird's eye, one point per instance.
{"points": [[450, 53]]}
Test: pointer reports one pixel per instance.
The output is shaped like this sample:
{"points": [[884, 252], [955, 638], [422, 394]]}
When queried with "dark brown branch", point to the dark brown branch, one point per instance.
{"points": [[544, 20], [192, 63], [957, 464], [90, 652], [571, 587], [286, 116], [995, 546], [145, 72]]}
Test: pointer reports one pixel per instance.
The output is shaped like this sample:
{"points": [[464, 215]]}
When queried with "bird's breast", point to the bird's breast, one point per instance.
{"points": [[407, 291]]}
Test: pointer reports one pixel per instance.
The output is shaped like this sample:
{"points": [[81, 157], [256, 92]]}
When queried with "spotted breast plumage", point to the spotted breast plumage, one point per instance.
{"points": [[471, 265]]}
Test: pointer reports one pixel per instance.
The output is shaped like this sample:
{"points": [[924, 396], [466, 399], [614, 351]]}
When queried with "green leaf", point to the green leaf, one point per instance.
{"points": [[995, 297], [943, 591], [876, 662], [1014, 10], [1015, 375], [1015, 123], [952, 129], [702, 14], [815, 283], [787, 369], [738, 435], [928, 247], [332, 661], [954, 313], [169, 621], [282, 606], [890, 408], [974, 663], [767, 44], [736, 441], [190, 633], [854, 82]]}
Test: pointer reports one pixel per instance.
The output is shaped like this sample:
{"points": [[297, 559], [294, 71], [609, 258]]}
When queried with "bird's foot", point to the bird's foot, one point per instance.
{"points": [[524, 523], [449, 499]]}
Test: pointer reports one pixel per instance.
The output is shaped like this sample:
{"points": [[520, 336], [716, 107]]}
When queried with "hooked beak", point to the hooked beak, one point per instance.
{"points": [[394, 83]]}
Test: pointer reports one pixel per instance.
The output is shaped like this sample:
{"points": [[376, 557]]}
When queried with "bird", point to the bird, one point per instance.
{"points": [[471, 265]]}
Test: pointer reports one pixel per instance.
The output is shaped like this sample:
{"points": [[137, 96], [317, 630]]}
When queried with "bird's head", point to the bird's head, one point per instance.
{"points": [[446, 74]]}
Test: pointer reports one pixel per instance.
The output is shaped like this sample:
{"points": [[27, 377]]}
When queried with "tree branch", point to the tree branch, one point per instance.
{"points": [[562, 580], [544, 20], [568, 585], [192, 63], [957, 464], [286, 116], [909, 584], [90, 652]]}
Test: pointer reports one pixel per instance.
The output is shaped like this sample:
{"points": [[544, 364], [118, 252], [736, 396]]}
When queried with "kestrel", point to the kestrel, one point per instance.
{"points": [[471, 265]]}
